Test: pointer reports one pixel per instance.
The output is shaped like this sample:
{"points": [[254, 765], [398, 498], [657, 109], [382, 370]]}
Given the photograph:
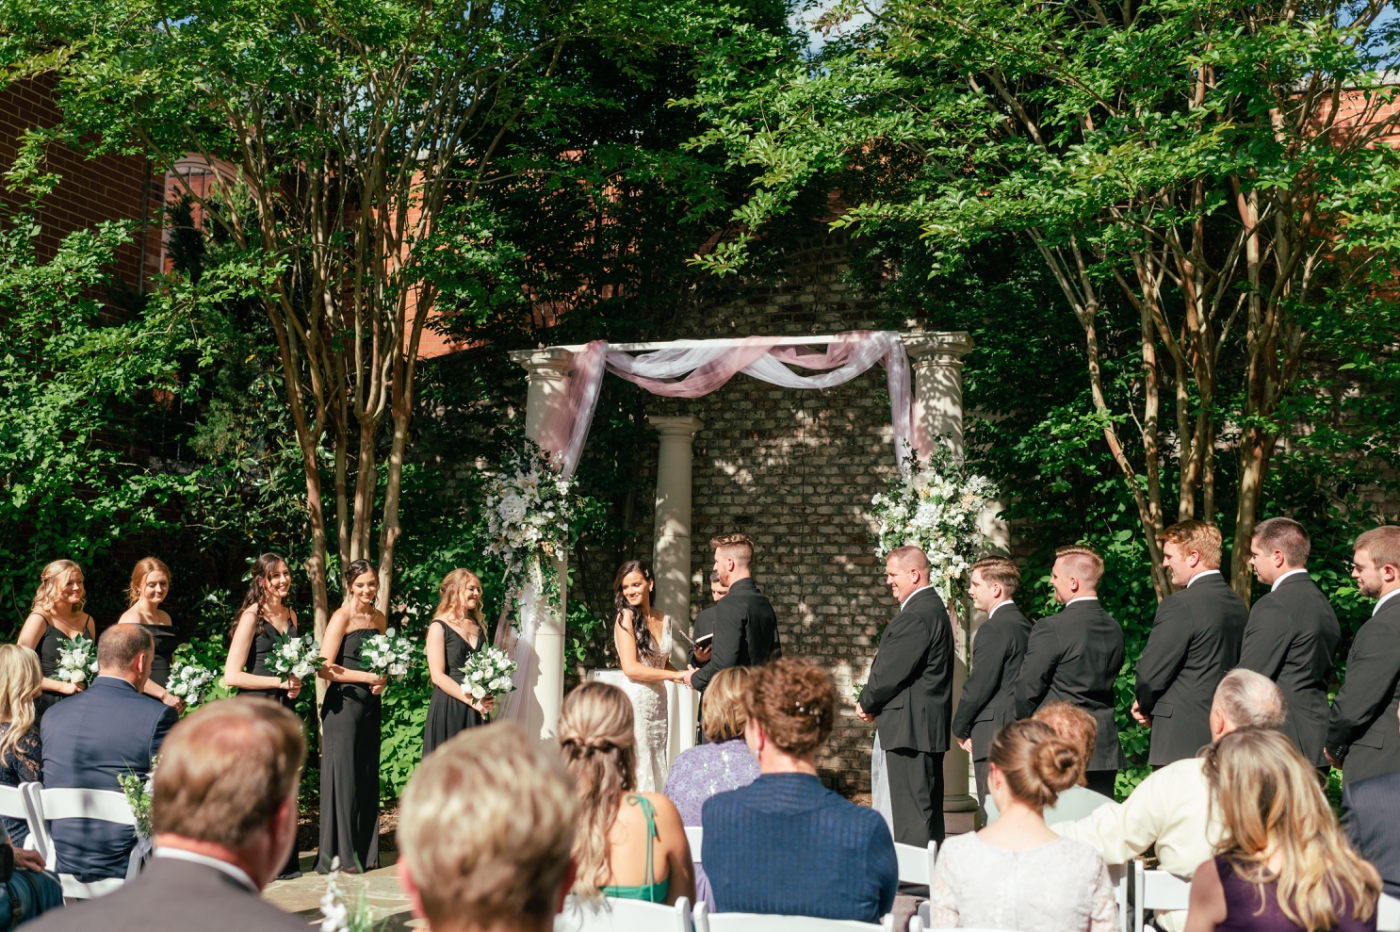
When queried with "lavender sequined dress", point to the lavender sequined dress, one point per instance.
{"points": [[703, 771]]}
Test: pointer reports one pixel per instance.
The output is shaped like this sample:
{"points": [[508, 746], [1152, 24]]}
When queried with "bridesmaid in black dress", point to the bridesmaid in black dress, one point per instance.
{"points": [[350, 721], [457, 631], [263, 618], [150, 584], [57, 615]]}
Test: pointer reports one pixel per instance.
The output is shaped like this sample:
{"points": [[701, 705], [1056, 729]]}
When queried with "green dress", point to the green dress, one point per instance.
{"points": [[651, 891]]}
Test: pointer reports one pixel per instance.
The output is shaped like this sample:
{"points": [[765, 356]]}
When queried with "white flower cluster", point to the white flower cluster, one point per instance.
{"points": [[342, 911], [528, 508], [389, 654], [75, 660], [295, 656], [934, 507], [488, 672], [188, 681]]}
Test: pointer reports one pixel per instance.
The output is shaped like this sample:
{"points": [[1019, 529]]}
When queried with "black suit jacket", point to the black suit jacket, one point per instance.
{"points": [[745, 630], [89, 740], [170, 895], [989, 695], [1195, 641], [1076, 657], [910, 687], [1292, 639], [1371, 816], [1363, 733]]}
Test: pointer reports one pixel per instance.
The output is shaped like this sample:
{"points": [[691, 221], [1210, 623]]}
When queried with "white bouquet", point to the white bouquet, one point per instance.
{"points": [[388, 654], [488, 672], [295, 656], [342, 909], [76, 662], [139, 792], [188, 681]]}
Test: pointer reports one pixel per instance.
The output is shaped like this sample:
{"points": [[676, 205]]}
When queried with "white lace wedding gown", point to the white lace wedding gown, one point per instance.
{"points": [[651, 724]]}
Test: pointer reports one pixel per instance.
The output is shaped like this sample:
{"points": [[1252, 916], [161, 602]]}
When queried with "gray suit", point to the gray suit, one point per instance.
{"points": [[1363, 735], [1292, 639], [910, 693], [1195, 641]]}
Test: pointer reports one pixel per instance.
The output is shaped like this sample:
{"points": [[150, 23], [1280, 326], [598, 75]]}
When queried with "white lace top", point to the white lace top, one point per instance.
{"points": [[1061, 886]]}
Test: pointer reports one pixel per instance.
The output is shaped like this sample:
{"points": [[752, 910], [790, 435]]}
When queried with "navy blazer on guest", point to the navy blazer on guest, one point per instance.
{"points": [[89, 740], [1371, 816]]}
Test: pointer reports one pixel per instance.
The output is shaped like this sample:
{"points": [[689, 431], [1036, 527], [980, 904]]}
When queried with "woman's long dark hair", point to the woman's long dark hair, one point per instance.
{"points": [[641, 631], [263, 568]]}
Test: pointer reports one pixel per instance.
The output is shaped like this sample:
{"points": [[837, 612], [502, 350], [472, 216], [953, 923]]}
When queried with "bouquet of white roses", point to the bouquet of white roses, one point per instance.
{"points": [[528, 510], [188, 681], [75, 660], [388, 654], [295, 656], [488, 672]]}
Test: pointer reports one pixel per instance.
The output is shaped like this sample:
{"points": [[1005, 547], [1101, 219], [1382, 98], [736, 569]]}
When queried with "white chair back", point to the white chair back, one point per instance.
{"points": [[1118, 873], [1156, 890], [612, 915], [73, 803], [915, 863], [695, 835], [1388, 914], [755, 922]]}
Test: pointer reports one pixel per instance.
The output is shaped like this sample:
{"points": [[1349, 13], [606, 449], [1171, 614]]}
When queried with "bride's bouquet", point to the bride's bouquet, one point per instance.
{"points": [[295, 656], [76, 662], [188, 681], [488, 672], [388, 654]]}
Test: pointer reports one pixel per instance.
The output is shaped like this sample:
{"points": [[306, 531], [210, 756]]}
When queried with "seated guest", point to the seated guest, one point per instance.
{"points": [[1170, 811], [785, 844], [1018, 874], [1371, 816], [20, 676], [485, 830], [95, 736], [629, 845], [30, 890], [1081, 730], [224, 814], [1284, 864], [726, 763]]}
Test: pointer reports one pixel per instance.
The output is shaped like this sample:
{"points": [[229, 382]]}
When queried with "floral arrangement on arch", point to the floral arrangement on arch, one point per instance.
{"points": [[528, 510], [933, 505]]}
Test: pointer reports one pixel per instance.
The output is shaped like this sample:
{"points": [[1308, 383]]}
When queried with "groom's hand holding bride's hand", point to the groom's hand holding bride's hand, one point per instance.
{"points": [[688, 675]]}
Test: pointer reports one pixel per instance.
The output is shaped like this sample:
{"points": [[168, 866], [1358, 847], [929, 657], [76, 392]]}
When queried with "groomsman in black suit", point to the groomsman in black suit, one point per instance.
{"points": [[909, 697], [1195, 641], [1292, 633], [743, 623], [1362, 737], [989, 695], [1076, 657]]}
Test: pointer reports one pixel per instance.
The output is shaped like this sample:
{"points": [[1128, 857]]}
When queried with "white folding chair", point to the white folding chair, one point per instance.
{"points": [[1156, 890], [915, 863], [754, 922], [1388, 914], [695, 835], [1118, 873], [51, 805], [610, 915], [15, 804]]}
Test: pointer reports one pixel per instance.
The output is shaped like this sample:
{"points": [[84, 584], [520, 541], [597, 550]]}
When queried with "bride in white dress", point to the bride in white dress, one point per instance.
{"points": [[643, 638]]}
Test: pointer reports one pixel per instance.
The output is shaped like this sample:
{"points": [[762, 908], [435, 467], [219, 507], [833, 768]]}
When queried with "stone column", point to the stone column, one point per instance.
{"points": [[671, 563], [936, 359], [546, 373]]}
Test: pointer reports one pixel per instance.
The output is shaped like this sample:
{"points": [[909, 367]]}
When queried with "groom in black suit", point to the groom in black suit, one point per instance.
{"points": [[909, 696], [744, 626]]}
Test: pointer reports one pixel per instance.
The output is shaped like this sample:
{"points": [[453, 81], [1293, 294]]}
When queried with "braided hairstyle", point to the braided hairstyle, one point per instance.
{"points": [[596, 737]]}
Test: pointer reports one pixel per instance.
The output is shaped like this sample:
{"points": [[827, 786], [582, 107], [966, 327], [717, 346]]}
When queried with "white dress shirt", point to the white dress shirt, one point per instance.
{"points": [[1082, 598], [1285, 576], [1192, 581], [1384, 599], [997, 606], [237, 873]]}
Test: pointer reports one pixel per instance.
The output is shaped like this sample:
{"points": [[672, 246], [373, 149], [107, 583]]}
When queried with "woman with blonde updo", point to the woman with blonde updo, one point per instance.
{"points": [[150, 584], [1017, 873], [458, 630], [1283, 864], [57, 615], [21, 760], [628, 845]]}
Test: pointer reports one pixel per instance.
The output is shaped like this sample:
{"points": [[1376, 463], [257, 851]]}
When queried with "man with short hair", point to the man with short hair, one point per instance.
{"points": [[909, 697], [989, 695], [92, 738], [1361, 735], [1195, 640], [486, 827], [717, 589], [1292, 632], [743, 623], [1171, 810], [1075, 657], [224, 814]]}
